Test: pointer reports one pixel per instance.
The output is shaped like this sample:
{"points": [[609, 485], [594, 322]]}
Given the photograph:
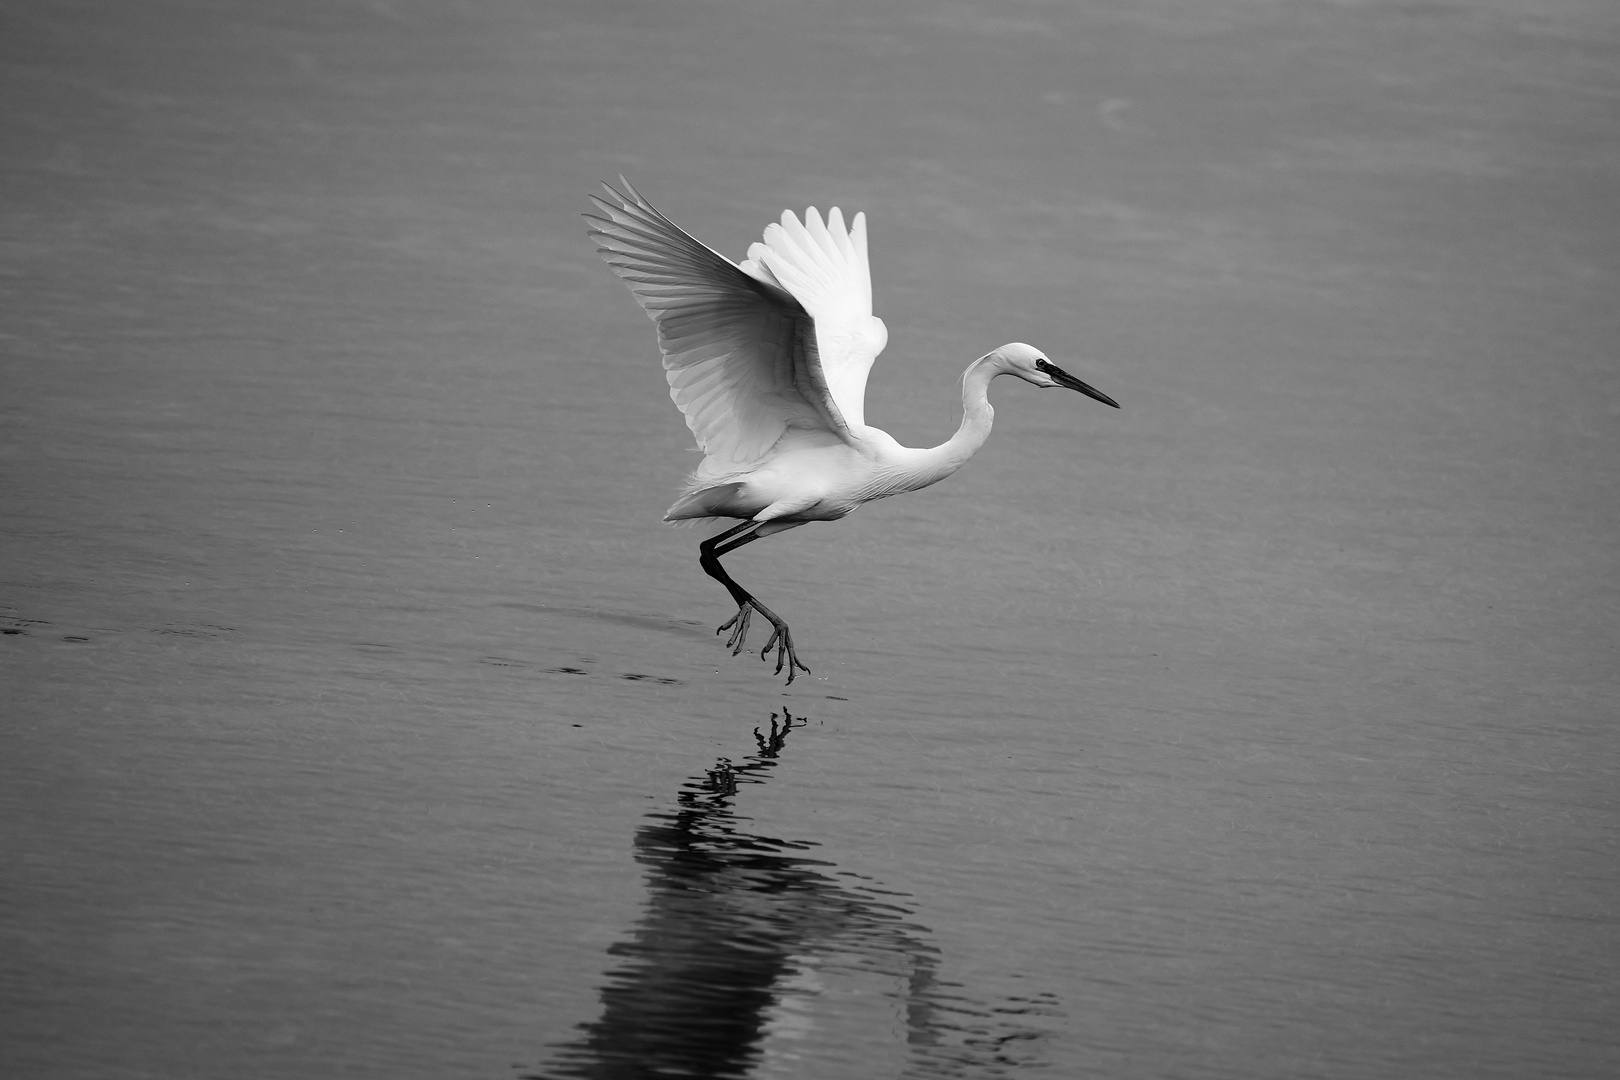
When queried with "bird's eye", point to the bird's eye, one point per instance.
{"points": [[1043, 365]]}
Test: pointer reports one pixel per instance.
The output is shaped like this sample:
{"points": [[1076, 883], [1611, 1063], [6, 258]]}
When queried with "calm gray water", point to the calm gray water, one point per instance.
{"points": [[363, 720]]}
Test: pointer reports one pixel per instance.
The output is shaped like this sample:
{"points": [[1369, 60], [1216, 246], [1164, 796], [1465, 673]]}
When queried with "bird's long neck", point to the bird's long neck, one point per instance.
{"points": [[940, 461]]}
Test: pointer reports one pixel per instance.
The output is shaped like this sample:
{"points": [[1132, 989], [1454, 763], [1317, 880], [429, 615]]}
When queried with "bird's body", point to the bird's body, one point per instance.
{"points": [[768, 360], [810, 477]]}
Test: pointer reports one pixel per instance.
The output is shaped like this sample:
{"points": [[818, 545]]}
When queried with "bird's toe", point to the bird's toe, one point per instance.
{"points": [[782, 641], [738, 625]]}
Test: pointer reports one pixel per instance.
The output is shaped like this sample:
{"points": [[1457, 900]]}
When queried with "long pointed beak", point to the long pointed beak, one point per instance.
{"points": [[1063, 378]]}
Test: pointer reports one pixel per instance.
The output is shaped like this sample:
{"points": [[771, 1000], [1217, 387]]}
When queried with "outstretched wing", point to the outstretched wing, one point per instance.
{"points": [[824, 266], [740, 352]]}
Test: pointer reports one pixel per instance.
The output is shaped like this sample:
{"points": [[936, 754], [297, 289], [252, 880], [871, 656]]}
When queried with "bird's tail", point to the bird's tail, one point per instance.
{"points": [[718, 500]]}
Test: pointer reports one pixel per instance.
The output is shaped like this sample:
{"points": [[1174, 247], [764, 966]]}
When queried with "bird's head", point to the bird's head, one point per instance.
{"points": [[1031, 365]]}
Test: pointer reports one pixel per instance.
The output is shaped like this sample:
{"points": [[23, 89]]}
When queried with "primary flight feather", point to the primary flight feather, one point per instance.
{"points": [[768, 360]]}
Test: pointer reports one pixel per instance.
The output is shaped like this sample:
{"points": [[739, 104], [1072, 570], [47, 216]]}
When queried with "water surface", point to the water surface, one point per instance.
{"points": [[362, 718]]}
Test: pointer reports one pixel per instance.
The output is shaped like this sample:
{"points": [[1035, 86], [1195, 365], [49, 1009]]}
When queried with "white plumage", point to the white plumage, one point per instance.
{"points": [[768, 360]]}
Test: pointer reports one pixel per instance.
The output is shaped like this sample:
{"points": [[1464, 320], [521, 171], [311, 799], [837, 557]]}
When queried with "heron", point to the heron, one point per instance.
{"points": [[767, 358]]}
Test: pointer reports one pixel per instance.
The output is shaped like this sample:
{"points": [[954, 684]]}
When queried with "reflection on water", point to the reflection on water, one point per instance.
{"points": [[748, 949]]}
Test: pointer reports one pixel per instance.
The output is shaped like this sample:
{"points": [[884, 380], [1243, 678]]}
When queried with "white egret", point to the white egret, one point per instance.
{"points": [[768, 359]]}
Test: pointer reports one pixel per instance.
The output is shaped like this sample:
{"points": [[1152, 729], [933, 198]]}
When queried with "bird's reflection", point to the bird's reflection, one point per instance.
{"points": [[720, 975]]}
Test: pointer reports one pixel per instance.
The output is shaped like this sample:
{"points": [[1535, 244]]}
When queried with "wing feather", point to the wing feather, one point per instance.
{"points": [[740, 350], [824, 266]]}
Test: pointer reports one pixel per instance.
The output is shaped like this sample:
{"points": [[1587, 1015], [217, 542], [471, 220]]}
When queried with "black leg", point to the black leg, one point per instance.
{"points": [[709, 552], [781, 639]]}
